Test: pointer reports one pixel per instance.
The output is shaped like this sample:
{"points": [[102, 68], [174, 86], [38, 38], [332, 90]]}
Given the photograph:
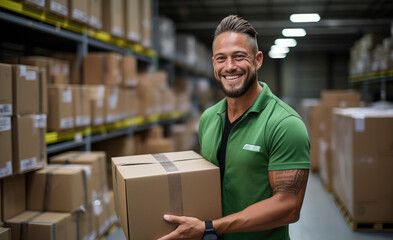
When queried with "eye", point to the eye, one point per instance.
{"points": [[239, 57], [220, 59]]}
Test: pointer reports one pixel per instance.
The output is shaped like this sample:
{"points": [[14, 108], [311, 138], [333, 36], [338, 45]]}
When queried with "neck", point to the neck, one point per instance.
{"points": [[238, 106]]}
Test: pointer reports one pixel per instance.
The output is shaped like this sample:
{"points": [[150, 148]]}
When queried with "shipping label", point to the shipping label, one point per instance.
{"points": [[40, 121], [7, 170], [28, 164], [5, 124], [59, 8], [78, 14], [40, 3], [5, 109], [67, 95], [66, 123]]}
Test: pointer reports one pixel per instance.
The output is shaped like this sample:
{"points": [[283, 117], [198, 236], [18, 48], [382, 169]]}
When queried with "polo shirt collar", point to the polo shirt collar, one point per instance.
{"points": [[259, 104]]}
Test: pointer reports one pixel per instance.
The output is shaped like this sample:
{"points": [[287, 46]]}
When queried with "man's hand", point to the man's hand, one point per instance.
{"points": [[188, 228]]}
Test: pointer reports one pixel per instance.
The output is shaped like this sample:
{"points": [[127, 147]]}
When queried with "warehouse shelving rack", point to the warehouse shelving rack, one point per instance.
{"points": [[35, 19]]}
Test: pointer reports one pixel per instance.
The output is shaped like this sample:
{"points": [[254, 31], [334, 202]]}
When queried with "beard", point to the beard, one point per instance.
{"points": [[235, 93]]}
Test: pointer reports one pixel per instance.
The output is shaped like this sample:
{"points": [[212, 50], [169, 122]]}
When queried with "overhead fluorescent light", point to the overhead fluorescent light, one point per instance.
{"points": [[287, 42], [279, 49], [276, 55], [306, 17], [294, 32]]}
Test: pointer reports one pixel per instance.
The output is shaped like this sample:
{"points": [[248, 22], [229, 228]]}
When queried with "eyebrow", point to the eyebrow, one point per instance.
{"points": [[236, 52]]}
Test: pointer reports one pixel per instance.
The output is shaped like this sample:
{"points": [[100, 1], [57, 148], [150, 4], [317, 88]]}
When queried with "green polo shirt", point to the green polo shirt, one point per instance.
{"points": [[270, 136]]}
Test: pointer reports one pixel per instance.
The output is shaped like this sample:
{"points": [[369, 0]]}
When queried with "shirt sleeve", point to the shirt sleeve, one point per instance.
{"points": [[289, 145]]}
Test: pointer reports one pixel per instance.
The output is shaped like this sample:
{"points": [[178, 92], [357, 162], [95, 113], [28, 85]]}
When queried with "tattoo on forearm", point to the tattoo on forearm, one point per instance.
{"points": [[290, 181]]}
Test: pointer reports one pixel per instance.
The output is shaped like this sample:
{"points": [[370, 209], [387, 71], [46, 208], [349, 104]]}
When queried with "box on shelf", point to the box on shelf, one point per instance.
{"points": [[167, 37], [158, 145], [78, 10], [102, 68], [130, 102], [29, 146], [61, 111], [97, 161], [181, 180], [58, 7], [145, 95], [6, 90], [147, 23], [362, 146], [104, 213], [133, 24], [71, 60], [97, 98], [25, 89], [112, 104], [130, 71], [60, 188], [39, 4], [95, 14], [113, 17], [42, 225], [13, 196], [81, 105], [315, 126], [5, 147]]}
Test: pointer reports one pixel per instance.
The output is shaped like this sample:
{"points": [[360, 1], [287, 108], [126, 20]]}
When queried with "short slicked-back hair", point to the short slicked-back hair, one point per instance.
{"points": [[233, 23]]}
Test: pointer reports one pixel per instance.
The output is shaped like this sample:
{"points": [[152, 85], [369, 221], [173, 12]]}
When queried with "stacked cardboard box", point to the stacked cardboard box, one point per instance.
{"points": [[331, 99], [362, 143], [113, 17], [78, 10], [132, 18], [181, 180], [58, 7], [95, 14]]}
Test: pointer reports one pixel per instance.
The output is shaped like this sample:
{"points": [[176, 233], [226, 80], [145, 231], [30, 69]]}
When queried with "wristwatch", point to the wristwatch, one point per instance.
{"points": [[209, 233]]}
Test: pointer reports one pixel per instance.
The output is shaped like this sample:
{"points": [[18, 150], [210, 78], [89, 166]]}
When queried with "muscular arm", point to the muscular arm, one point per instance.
{"points": [[282, 208]]}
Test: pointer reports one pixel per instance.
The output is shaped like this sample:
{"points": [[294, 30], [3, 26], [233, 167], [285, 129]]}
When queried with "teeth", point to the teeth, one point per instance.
{"points": [[232, 77]]}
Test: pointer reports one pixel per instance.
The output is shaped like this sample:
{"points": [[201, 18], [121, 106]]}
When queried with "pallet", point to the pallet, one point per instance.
{"points": [[110, 230], [362, 226]]}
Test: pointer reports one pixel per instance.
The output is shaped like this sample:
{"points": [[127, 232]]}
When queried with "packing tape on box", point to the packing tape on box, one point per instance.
{"points": [[24, 224], [174, 184]]}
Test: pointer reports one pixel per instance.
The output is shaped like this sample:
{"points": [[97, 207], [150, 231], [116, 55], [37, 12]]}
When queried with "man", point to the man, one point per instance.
{"points": [[258, 141]]}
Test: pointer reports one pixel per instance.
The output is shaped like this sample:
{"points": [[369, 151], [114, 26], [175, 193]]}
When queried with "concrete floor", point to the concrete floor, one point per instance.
{"points": [[320, 219]]}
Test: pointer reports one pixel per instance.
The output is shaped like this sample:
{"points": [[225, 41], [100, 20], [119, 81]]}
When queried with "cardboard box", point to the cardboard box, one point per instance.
{"points": [[39, 4], [81, 105], [79, 10], [25, 89], [5, 233], [57, 69], [112, 104], [60, 188], [363, 150], [5, 90], [29, 147], [74, 66], [97, 98], [113, 17], [104, 213], [61, 111], [158, 145], [95, 14], [97, 161], [145, 95], [181, 180], [42, 225], [147, 23], [315, 126], [102, 68], [130, 71], [58, 7], [13, 196], [130, 103], [133, 20], [5, 147]]}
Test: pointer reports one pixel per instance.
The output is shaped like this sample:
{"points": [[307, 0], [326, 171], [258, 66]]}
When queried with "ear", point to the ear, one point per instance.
{"points": [[259, 59]]}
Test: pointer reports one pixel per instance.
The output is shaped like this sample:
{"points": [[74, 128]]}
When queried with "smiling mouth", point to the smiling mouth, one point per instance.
{"points": [[232, 77]]}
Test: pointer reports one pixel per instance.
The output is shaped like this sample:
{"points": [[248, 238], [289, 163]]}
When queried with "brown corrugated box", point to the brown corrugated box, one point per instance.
{"points": [[130, 71], [78, 10], [95, 14], [34, 3], [5, 147], [315, 114], [25, 89], [133, 20], [147, 23], [113, 17], [73, 64], [97, 161], [5, 233], [181, 182], [102, 68], [362, 163], [104, 213], [59, 188], [5, 90], [42, 225], [61, 112], [13, 196], [329, 100], [81, 104], [145, 95], [130, 102], [57, 69], [112, 104], [97, 98], [29, 147], [58, 7]]}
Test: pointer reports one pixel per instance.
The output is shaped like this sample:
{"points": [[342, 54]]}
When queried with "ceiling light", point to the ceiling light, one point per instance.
{"points": [[279, 49], [294, 32], [276, 55], [307, 17], [287, 42]]}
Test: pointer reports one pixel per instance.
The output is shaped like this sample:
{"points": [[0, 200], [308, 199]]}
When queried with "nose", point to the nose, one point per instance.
{"points": [[230, 65]]}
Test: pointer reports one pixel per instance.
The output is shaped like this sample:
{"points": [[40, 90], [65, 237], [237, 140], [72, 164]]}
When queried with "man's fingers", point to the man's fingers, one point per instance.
{"points": [[172, 218]]}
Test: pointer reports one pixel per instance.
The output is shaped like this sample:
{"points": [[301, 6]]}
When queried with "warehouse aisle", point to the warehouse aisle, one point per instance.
{"points": [[320, 219]]}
